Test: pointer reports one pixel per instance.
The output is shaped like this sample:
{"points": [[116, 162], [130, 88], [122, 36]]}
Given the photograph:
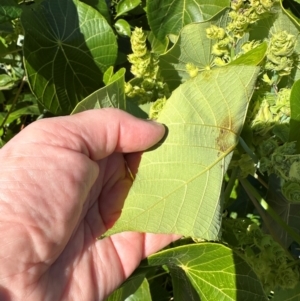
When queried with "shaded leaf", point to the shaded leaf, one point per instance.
{"points": [[191, 47], [288, 294], [169, 17], [159, 289], [125, 6], [214, 270], [295, 114], [131, 285], [178, 185], [182, 287], [136, 110], [156, 45], [289, 212], [67, 47], [9, 10], [110, 96], [142, 293]]}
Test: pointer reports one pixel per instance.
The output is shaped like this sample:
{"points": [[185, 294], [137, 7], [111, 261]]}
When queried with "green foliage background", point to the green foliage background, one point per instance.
{"points": [[223, 76]]}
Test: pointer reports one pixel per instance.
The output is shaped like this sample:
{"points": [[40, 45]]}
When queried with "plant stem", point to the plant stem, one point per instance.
{"points": [[14, 102], [230, 184], [248, 150], [269, 210], [156, 276]]}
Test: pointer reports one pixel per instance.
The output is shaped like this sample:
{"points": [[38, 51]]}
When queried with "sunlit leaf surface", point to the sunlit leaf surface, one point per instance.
{"points": [[214, 270], [178, 185]]}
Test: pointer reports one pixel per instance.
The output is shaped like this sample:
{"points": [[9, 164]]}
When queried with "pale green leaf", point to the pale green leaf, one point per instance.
{"points": [[6, 82], [68, 45], [110, 96], [178, 185], [108, 74], [214, 270], [135, 110], [253, 57], [156, 45], [169, 17], [123, 28], [142, 293], [182, 287], [125, 6], [191, 47], [131, 285]]}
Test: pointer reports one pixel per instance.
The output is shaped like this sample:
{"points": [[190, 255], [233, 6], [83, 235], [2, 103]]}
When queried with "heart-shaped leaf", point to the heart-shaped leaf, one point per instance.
{"points": [[178, 185], [214, 270], [68, 45]]}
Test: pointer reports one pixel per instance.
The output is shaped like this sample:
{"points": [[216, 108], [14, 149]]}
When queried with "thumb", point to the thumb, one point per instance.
{"points": [[95, 133]]}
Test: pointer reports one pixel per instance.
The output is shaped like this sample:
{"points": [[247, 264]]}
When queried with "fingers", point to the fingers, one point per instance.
{"points": [[96, 133]]}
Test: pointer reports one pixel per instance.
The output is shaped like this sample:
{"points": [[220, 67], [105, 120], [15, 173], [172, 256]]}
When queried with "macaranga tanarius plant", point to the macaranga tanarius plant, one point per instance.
{"points": [[223, 76]]}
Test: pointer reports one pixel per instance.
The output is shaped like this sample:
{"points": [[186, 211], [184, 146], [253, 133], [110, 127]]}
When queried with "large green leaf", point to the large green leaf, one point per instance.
{"points": [[279, 22], [289, 11], [287, 295], [169, 17], [125, 6], [9, 10], [295, 114], [68, 45], [182, 287], [191, 47], [131, 285], [214, 270], [110, 96], [178, 185]]}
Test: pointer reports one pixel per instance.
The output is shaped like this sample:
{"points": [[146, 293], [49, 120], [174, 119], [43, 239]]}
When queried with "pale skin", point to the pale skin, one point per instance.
{"points": [[63, 184]]}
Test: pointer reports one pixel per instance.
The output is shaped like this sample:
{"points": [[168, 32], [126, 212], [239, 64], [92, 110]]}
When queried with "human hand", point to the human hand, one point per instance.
{"points": [[63, 183]]}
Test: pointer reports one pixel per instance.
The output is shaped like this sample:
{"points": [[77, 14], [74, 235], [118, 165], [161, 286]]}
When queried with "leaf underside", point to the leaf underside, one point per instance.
{"points": [[178, 185]]}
